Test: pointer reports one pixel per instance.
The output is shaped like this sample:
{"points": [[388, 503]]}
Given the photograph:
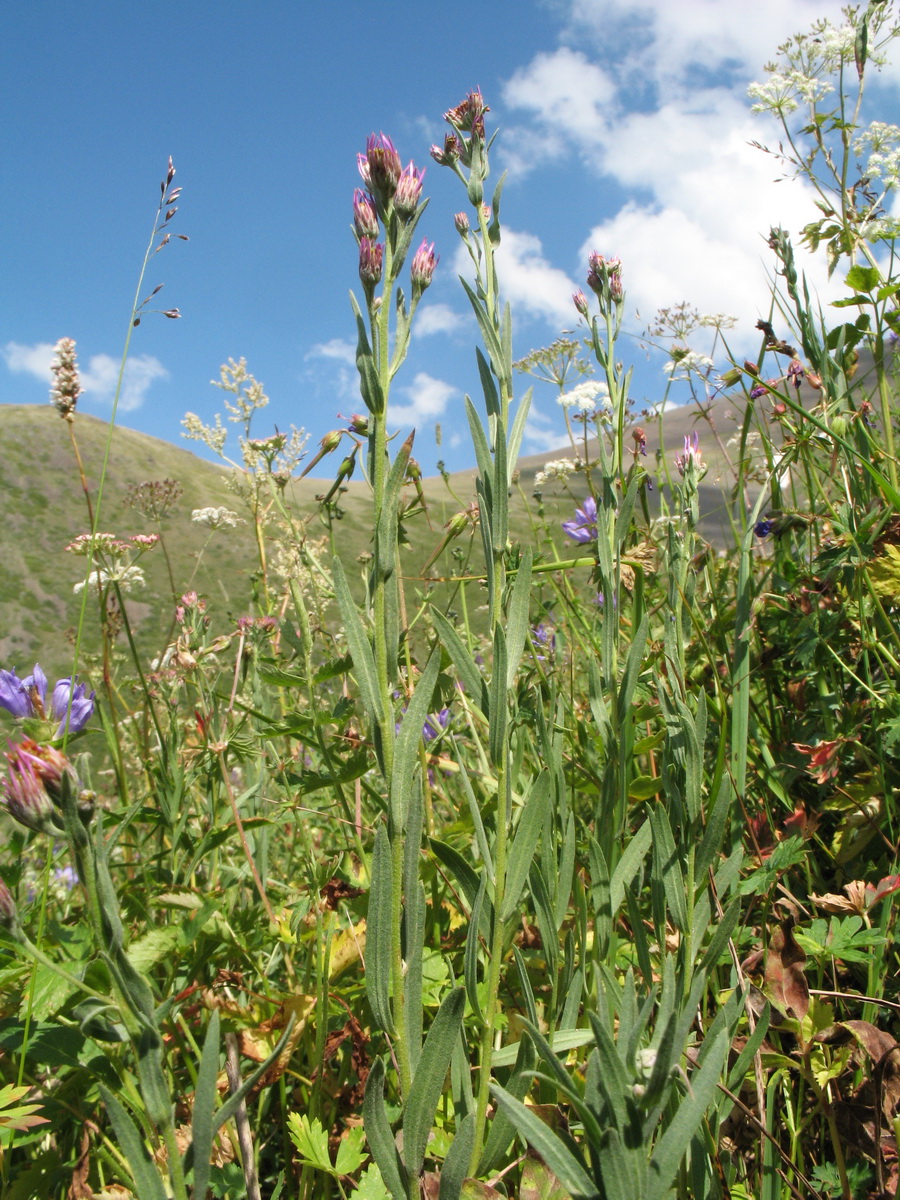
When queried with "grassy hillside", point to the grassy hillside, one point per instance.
{"points": [[42, 509]]}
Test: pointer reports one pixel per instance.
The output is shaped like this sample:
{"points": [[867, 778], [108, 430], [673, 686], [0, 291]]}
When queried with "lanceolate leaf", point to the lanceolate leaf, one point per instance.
{"points": [[531, 822], [378, 1133], [378, 932], [570, 1171], [146, 1176], [205, 1097], [360, 648], [428, 1082]]}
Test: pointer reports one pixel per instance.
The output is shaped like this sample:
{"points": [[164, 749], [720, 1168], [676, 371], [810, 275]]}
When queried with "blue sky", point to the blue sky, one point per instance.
{"points": [[624, 128]]}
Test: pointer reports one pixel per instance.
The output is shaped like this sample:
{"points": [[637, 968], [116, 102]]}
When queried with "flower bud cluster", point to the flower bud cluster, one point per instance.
{"points": [[66, 387], [605, 280]]}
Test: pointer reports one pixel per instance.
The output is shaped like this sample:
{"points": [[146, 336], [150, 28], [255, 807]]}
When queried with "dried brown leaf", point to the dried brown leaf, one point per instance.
{"points": [[786, 984]]}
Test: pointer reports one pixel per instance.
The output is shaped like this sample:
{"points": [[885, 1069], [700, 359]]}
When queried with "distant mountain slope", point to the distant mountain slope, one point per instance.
{"points": [[42, 509]]}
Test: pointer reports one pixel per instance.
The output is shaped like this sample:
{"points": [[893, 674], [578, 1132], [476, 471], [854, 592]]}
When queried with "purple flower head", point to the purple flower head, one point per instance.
{"points": [[691, 458], [581, 303], [409, 192], [28, 698], [422, 267], [32, 787], [795, 372], [380, 167], [759, 390], [371, 260], [435, 725], [583, 528], [365, 221], [762, 529], [469, 115]]}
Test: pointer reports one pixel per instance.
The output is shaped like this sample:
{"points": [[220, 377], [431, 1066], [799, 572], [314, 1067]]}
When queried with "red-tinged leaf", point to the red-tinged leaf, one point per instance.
{"points": [[539, 1182], [890, 883], [786, 984]]}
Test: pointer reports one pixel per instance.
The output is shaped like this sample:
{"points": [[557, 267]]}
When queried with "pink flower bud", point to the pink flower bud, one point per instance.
{"points": [[371, 258], [382, 167], [423, 264], [365, 220], [447, 155], [461, 221], [580, 301], [408, 193]]}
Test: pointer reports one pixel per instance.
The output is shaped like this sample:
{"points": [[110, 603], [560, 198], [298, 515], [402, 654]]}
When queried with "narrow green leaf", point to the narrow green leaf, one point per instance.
{"points": [[565, 873], [234, 1101], [673, 1145], [408, 741], [360, 648], [369, 383], [428, 1082], [502, 1130], [488, 386], [468, 880], [499, 494], [456, 1164], [668, 867], [516, 433], [628, 866], [569, 1170], [469, 675], [479, 440], [386, 531], [716, 821], [470, 960], [528, 831], [205, 1097], [497, 724], [517, 618], [378, 932], [143, 1169], [379, 1136]]}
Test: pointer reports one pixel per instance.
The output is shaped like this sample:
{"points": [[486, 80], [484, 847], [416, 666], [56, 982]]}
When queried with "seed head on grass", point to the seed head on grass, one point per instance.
{"points": [[66, 387]]}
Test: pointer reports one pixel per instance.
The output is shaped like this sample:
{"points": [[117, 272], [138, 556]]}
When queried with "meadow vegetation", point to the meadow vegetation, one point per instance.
{"points": [[522, 842]]}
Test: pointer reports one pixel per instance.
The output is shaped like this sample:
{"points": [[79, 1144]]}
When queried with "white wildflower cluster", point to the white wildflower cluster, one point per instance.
{"points": [[558, 470], [782, 94], [127, 577], [216, 518], [717, 321], [685, 363], [882, 142], [588, 398], [214, 436]]}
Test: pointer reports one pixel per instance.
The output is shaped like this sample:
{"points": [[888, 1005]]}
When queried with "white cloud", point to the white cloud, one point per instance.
{"points": [[30, 360], [542, 432], [666, 117], [530, 283], [98, 378], [436, 318], [336, 348], [428, 398]]}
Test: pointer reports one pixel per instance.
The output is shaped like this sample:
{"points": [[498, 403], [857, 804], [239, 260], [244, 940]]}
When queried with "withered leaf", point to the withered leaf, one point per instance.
{"points": [[786, 984]]}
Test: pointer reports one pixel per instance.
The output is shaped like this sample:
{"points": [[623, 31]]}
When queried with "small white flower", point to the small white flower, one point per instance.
{"points": [[586, 397], [215, 518], [688, 362], [127, 578]]}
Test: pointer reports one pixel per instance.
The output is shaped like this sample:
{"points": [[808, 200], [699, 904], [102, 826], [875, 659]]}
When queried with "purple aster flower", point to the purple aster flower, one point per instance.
{"points": [[435, 725], [583, 528], [28, 698]]}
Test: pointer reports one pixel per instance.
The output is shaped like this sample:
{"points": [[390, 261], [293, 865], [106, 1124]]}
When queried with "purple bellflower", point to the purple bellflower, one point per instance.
{"points": [[28, 698], [583, 528]]}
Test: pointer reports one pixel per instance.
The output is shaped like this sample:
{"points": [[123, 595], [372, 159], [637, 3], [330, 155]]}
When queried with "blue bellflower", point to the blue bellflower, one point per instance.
{"points": [[28, 698], [583, 528]]}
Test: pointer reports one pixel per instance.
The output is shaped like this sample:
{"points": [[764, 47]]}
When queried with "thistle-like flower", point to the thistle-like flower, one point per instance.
{"points": [[605, 278], [371, 260], [468, 117], [449, 153], [461, 221], [380, 167], [34, 783], [690, 463], [66, 387], [422, 268], [365, 220], [409, 192], [28, 698]]}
